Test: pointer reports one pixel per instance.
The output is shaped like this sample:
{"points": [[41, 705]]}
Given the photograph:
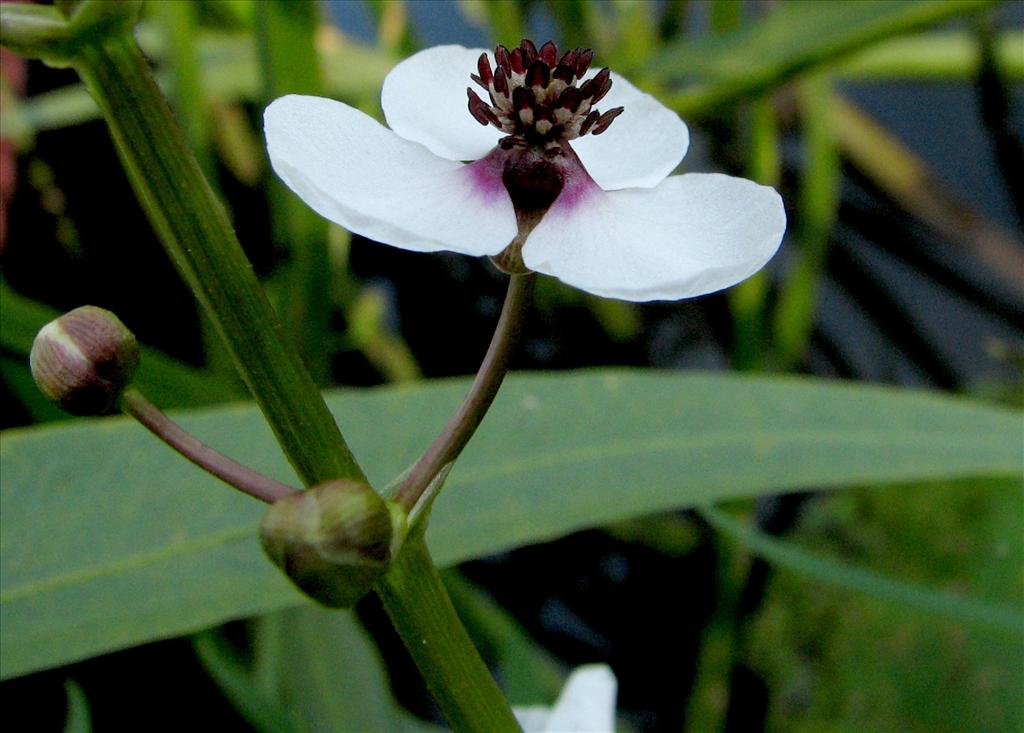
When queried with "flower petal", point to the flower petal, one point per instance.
{"points": [[643, 145], [587, 702], [690, 235], [359, 174], [532, 719], [424, 100]]}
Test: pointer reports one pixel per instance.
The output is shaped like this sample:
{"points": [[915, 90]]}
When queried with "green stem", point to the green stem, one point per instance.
{"points": [[418, 605], [748, 300], [197, 235], [447, 446], [818, 206], [228, 470]]}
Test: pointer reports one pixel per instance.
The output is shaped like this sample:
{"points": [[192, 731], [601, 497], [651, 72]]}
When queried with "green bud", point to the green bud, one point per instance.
{"points": [[333, 540], [84, 360]]}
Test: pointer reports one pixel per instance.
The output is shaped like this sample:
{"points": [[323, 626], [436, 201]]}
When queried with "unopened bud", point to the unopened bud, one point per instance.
{"points": [[333, 540], [84, 360]]}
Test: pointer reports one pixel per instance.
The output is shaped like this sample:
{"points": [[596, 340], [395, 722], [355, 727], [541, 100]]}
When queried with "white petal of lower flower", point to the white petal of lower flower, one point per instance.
{"points": [[533, 719], [641, 147], [587, 702], [424, 100], [585, 705], [690, 235], [359, 174]]}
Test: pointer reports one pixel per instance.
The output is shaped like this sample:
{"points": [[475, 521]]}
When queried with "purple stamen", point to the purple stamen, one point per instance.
{"points": [[538, 101]]}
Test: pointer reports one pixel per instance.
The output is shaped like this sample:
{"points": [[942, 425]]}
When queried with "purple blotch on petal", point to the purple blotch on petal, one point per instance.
{"points": [[578, 187], [486, 174]]}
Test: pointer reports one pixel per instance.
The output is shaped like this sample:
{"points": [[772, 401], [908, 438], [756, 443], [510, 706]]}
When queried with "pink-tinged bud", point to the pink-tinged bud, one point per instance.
{"points": [[333, 540], [84, 360]]}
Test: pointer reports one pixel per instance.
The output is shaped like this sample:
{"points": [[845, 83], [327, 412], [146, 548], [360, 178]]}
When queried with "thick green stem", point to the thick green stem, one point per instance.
{"points": [[423, 615], [195, 230]]}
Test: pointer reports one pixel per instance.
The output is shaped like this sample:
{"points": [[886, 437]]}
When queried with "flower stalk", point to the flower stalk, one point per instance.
{"points": [[228, 470], [422, 613], [460, 428]]}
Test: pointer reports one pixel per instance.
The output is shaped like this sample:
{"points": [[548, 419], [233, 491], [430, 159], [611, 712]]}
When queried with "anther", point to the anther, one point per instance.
{"points": [[523, 97], [570, 59], [549, 53], [483, 65], [570, 99], [502, 59], [538, 75], [589, 122], [501, 85], [480, 111], [597, 87], [606, 119], [516, 61], [583, 62], [529, 51], [563, 73]]}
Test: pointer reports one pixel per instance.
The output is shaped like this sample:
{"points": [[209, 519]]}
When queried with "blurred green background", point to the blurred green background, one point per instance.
{"points": [[893, 131]]}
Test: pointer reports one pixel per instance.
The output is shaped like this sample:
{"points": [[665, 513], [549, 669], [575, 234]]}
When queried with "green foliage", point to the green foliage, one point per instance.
{"points": [[836, 660], [101, 518], [312, 670], [795, 38], [168, 381], [78, 719], [896, 609]]}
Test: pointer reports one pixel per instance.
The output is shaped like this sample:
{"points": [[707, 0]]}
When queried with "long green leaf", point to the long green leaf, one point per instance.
{"points": [[332, 677], [108, 539], [78, 719], [231, 71], [795, 37], [355, 72], [221, 662], [835, 572], [529, 674]]}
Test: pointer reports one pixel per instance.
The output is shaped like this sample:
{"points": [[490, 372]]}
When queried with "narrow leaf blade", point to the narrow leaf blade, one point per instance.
{"points": [[109, 539]]}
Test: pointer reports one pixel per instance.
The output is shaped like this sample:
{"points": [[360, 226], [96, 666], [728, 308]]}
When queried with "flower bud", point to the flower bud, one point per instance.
{"points": [[84, 360], [333, 540]]}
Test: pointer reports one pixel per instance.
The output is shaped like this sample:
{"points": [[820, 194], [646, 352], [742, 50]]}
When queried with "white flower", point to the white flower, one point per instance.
{"points": [[598, 211], [586, 705]]}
